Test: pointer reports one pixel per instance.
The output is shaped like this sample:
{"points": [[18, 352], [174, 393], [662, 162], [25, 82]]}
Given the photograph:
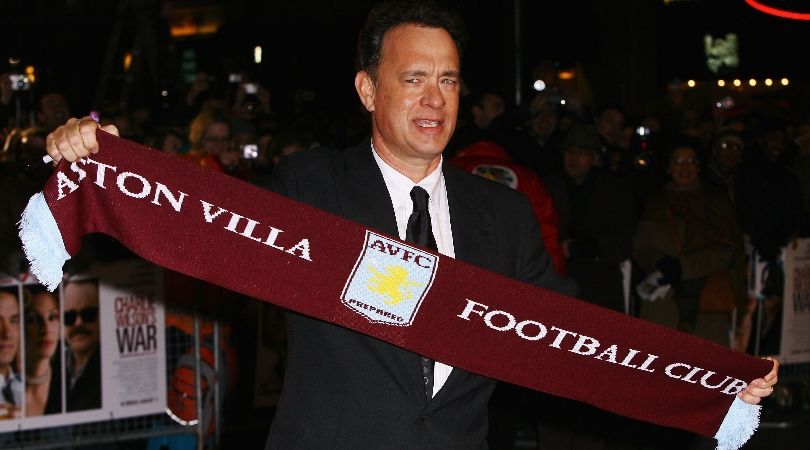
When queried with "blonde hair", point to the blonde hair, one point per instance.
{"points": [[198, 127]]}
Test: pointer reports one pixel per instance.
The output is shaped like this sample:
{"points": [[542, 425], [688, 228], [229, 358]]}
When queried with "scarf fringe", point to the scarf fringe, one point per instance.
{"points": [[42, 242], [738, 426]]}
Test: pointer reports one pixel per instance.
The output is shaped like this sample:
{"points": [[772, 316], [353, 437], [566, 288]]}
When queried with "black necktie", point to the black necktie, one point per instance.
{"points": [[420, 232]]}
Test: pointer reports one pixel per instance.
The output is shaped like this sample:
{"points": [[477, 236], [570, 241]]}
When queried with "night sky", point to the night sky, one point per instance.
{"points": [[310, 43]]}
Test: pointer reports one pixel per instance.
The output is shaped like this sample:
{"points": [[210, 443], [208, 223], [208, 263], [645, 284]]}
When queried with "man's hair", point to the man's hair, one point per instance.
{"points": [[91, 281], [393, 13]]}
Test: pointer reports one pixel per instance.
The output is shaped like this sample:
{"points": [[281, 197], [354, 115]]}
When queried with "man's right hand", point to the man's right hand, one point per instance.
{"points": [[75, 139]]}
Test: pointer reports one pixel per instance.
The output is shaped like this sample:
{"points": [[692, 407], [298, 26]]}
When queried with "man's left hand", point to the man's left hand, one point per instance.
{"points": [[761, 387]]}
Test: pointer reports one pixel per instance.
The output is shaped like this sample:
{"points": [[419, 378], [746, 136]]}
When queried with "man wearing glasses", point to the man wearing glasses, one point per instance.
{"points": [[82, 359]]}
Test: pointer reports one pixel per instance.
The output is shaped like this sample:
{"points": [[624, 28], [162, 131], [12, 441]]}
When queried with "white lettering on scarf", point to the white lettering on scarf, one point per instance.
{"points": [[580, 344]]}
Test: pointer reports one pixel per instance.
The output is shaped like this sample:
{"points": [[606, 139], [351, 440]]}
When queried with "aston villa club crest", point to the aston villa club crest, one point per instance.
{"points": [[389, 281]]}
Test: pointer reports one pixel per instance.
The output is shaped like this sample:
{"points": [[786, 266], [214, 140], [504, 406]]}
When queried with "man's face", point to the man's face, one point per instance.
{"points": [[579, 162], [9, 329], [684, 167], [414, 100], [728, 152], [543, 117], [81, 315], [775, 143], [610, 125]]}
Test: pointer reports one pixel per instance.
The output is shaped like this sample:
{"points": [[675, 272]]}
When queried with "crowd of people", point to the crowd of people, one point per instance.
{"points": [[683, 193]]}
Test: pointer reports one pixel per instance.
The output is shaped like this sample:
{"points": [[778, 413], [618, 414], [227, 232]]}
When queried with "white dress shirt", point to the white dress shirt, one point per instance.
{"points": [[399, 189]]}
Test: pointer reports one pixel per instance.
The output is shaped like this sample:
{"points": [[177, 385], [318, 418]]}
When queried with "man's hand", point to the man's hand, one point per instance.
{"points": [[761, 387], [75, 139]]}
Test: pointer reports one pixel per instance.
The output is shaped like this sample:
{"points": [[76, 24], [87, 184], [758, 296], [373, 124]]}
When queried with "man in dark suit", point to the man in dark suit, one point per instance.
{"points": [[344, 390]]}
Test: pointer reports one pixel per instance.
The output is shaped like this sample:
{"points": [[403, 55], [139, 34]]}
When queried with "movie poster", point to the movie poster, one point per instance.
{"points": [[795, 341], [93, 349]]}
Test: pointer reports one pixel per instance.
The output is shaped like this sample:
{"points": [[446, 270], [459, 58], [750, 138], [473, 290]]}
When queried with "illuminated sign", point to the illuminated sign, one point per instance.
{"points": [[187, 19], [721, 53]]}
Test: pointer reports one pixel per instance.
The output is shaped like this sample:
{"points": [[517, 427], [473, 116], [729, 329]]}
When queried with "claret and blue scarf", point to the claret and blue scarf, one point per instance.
{"points": [[231, 233]]}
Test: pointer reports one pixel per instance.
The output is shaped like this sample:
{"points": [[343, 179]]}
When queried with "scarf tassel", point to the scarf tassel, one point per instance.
{"points": [[42, 242]]}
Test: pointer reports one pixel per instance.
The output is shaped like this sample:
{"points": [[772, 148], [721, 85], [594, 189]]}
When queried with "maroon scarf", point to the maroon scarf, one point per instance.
{"points": [[234, 234]]}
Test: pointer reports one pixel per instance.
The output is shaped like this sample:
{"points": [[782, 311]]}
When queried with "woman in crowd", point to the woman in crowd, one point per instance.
{"points": [[42, 368], [210, 139], [689, 231]]}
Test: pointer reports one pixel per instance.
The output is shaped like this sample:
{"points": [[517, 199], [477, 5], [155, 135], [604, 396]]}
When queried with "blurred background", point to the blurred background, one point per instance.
{"points": [[135, 51]]}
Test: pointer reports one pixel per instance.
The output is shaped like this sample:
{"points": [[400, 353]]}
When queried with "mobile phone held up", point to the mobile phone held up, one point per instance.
{"points": [[250, 151]]}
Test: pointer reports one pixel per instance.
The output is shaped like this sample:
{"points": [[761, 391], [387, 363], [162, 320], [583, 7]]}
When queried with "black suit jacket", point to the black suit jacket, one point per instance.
{"points": [[344, 390], [86, 393]]}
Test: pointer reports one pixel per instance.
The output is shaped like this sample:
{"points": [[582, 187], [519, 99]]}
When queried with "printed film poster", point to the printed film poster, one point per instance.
{"points": [[93, 349], [795, 337], [766, 283]]}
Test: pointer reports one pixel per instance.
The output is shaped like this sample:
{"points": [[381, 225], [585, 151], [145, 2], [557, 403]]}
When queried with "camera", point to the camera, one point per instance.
{"points": [[19, 82], [250, 151]]}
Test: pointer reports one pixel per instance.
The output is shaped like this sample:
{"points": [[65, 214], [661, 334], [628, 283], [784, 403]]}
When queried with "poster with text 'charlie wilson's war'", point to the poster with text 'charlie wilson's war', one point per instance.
{"points": [[94, 349]]}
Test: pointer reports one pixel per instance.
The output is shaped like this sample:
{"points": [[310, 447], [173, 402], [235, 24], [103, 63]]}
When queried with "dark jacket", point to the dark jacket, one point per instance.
{"points": [[86, 392], [344, 390], [600, 231]]}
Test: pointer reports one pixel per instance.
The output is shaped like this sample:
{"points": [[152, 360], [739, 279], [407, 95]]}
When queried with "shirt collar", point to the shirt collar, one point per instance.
{"points": [[399, 186]]}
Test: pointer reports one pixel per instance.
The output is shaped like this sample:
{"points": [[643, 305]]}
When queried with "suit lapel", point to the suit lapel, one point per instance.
{"points": [[472, 223], [362, 192]]}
